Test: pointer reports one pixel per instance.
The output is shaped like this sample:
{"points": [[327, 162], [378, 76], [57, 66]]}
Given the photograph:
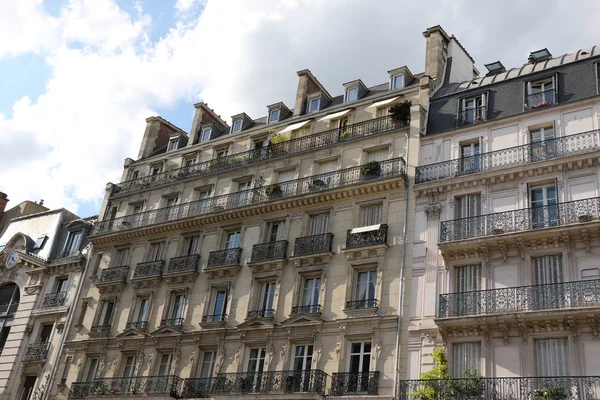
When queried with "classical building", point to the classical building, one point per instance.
{"points": [[505, 259], [42, 257], [258, 257]]}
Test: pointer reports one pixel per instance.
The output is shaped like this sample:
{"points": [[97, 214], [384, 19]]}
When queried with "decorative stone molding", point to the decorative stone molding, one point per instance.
{"points": [[30, 290], [297, 214], [433, 212]]}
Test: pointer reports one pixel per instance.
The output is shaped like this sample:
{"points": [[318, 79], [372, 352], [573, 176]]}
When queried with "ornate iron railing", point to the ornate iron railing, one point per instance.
{"points": [[36, 352], [352, 383], [167, 385], [282, 149], [309, 309], [207, 319], [269, 251], [224, 258], [358, 304], [525, 219], [177, 322], [54, 300], [269, 382], [113, 275], [98, 329], [149, 269], [367, 238], [266, 313], [471, 116], [140, 325], [181, 265], [521, 299], [315, 244], [513, 388], [197, 388], [539, 100], [510, 157], [9, 308], [387, 169]]}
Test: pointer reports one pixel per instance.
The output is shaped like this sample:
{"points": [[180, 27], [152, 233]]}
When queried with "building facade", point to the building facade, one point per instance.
{"points": [[505, 256], [42, 258]]}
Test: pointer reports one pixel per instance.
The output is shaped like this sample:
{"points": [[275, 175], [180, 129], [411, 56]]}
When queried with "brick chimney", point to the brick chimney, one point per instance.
{"points": [[3, 202]]}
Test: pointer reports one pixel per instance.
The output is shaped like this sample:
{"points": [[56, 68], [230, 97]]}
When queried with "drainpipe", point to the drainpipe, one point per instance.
{"points": [[401, 285]]}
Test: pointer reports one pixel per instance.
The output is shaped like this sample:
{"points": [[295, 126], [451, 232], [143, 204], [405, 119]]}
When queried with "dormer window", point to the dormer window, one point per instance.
{"points": [[274, 115], [397, 82], [351, 94], [206, 132], [237, 126], [173, 143], [313, 104]]}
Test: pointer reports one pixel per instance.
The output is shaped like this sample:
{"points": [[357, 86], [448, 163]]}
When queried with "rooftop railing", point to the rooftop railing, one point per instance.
{"points": [[316, 183]]}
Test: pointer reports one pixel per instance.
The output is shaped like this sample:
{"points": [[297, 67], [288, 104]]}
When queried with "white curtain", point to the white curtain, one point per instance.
{"points": [[466, 356], [319, 224], [285, 176], [372, 215], [552, 357], [548, 269], [468, 278], [379, 155], [365, 289]]}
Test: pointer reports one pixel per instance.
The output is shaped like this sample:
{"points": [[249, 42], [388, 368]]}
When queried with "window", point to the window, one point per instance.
{"points": [[206, 132], [122, 258], [365, 290], [135, 175], [207, 365], [377, 155], [173, 143], [232, 239], [143, 309], [359, 363], [3, 336], [222, 154], [288, 175], [468, 207], [61, 285], [467, 279], [275, 231], [255, 366], [203, 194], [242, 198], [274, 115], [540, 93], [319, 224], [219, 305], [46, 333], [188, 162], [303, 355], [129, 366], [136, 218], [155, 170], [313, 104], [156, 251], [371, 214], [28, 386], [266, 298], [39, 243], [469, 158], [548, 271], [164, 368], [191, 245], [237, 126], [106, 312], [72, 245], [170, 203], [327, 168], [544, 211], [467, 356], [397, 82], [473, 110], [552, 357], [65, 373], [92, 368], [542, 144], [351, 94], [176, 310], [309, 296]]}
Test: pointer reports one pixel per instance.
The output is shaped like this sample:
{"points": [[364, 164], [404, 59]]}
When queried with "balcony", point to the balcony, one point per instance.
{"points": [[315, 184], [182, 269], [112, 279], [354, 383], [513, 388], [223, 263], [309, 309], [267, 313], [578, 212], [267, 382], [313, 250], [282, 149], [168, 385], [172, 322], [268, 257], [472, 116], [556, 296], [99, 330], [36, 353], [213, 321], [536, 101], [366, 242], [511, 157], [147, 274], [54, 300], [138, 325]]}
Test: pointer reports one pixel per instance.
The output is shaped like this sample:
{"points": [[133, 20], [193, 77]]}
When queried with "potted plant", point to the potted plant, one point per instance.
{"points": [[371, 170], [345, 134], [144, 183], [479, 119], [552, 392], [273, 191], [400, 113], [541, 104]]}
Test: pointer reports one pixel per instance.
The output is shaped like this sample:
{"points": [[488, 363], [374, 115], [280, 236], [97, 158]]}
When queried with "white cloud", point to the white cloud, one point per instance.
{"points": [[237, 55]]}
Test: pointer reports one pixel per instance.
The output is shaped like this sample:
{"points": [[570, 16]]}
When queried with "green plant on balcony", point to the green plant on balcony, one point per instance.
{"points": [[434, 380], [552, 392], [273, 191], [371, 170], [345, 135], [279, 138], [401, 112], [144, 183]]}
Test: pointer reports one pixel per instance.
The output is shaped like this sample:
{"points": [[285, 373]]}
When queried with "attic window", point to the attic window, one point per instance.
{"points": [[539, 55], [206, 132], [173, 143], [351, 94], [2, 246], [237, 126], [397, 82], [313, 104], [274, 115], [495, 68], [39, 243]]}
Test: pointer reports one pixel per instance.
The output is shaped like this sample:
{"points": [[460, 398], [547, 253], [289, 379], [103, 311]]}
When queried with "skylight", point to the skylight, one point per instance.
{"points": [[495, 68], [539, 55]]}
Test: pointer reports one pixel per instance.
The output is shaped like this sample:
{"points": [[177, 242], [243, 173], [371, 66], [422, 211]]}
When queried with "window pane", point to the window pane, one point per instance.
{"points": [[466, 356]]}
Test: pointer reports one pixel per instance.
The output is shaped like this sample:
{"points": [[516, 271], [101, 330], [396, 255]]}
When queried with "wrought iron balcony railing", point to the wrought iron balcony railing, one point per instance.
{"points": [[472, 116], [266, 313], [510, 157], [166, 385], [139, 325], [309, 309], [267, 382], [224, 258], [513, 388], [387, 169], [113, 275], [36, 352], [9, 308], [176, 322], [315, 244], [52, 300], [149, 269], [541, 99], [282, 149], [358, 304], [353, 383], [526, 219], [366, 238], [565, 295], [99, 329], [181, 265], [269, 251], [197, 388], [208, 319]]}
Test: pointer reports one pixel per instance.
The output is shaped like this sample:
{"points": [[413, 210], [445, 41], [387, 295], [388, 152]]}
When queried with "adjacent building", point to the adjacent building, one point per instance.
{"points": [[42, 258], [505, 256]]}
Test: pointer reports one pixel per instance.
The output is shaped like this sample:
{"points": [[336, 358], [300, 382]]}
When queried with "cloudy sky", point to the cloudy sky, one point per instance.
{"points": [[79, 77]]}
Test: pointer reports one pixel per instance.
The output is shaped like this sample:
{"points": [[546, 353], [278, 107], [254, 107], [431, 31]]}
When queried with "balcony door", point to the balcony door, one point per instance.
{"points": [[178, 303], [468, 225], [467, 300], [256, 365], [106, 313], [61, 285], [129, 367], [232, 240], [310, 295], [219, 306], [319, 224], [467, 357], [92, 369], [544, 209], [143, 311], [360, 362], [365, 289], [469, 158], [552, 357], [266, 299], [300, 380], [472, 108], [549, 291], [243, 196], [542, 144], [46, 333]]}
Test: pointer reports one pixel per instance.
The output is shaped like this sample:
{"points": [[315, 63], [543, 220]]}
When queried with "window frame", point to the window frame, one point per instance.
{"points": [[278, 117], [393, 82], [74, 238], [235, 123], [205, 130], [173, 144], [349, 90], [309, 102], [40, 242]]}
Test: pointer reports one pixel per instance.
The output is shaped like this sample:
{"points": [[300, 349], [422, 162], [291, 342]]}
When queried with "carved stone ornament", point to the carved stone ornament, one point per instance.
{"points": [[433, 212], [33, 289]]}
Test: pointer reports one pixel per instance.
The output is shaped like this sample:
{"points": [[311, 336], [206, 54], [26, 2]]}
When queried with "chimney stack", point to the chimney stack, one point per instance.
{"points": [[3, 201]]}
